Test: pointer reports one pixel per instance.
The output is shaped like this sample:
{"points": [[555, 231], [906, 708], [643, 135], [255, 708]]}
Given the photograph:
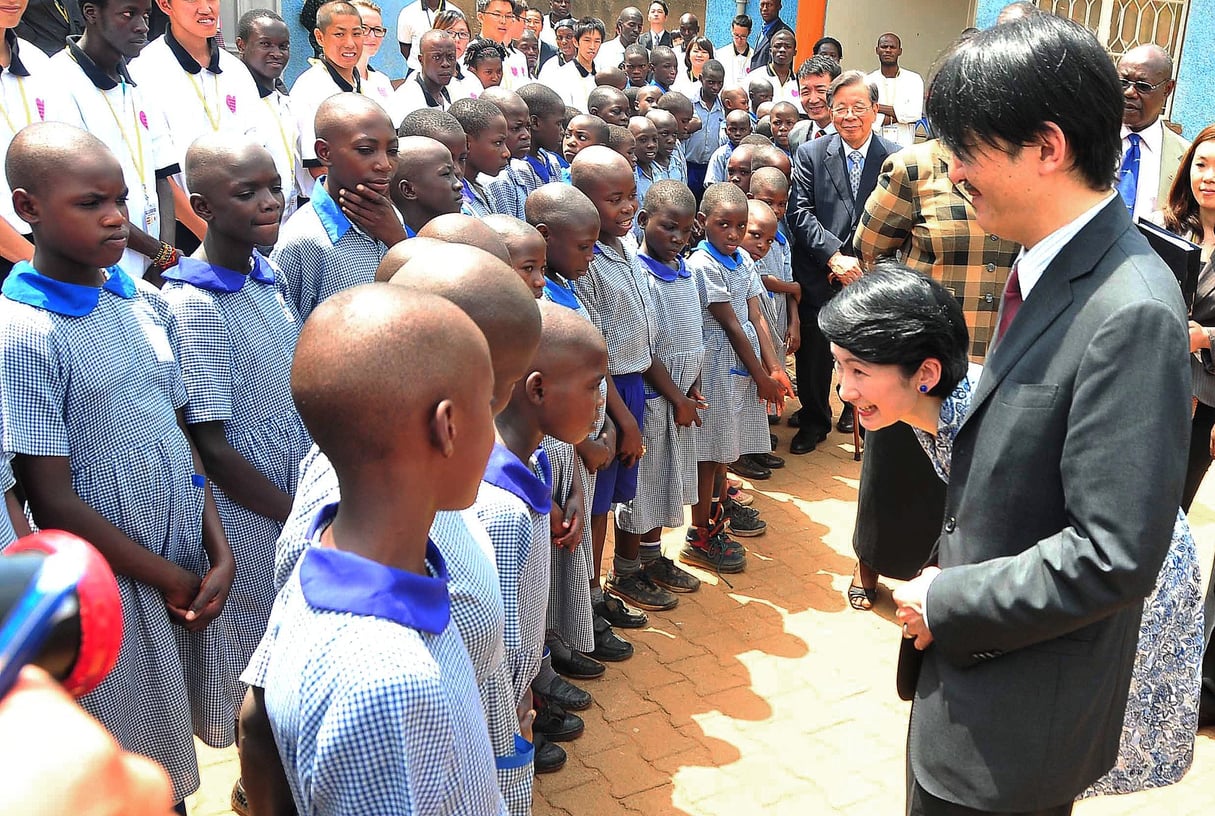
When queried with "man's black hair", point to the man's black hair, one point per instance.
{"points": [[1002, 86]]}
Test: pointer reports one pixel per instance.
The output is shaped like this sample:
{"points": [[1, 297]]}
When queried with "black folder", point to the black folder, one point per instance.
{"points": [[1182, 256]]}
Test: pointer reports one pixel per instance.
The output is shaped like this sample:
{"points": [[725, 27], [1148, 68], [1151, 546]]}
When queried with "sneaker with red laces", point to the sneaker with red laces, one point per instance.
{"points": [[713, 550]]}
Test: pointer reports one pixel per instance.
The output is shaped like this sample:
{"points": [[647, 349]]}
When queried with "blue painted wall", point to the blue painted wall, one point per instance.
{"points": [[1193, 103], [719, 13]]}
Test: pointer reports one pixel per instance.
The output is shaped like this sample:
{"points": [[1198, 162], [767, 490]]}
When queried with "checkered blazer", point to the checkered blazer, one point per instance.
{"points": [[917, 215]]}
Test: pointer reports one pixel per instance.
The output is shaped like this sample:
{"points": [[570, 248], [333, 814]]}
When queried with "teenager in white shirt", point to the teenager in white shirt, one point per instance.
{"points": [[576, 79], [415, 20]]}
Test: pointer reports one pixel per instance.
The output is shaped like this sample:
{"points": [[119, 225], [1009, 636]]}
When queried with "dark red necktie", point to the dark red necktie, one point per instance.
{"points": [[1010, 303]]}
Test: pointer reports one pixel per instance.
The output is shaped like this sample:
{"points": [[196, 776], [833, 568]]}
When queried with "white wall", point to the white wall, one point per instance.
{"points": [[926, 27]]}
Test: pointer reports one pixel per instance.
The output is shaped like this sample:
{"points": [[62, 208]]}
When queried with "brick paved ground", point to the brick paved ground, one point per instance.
{"points": [[771, 696]]}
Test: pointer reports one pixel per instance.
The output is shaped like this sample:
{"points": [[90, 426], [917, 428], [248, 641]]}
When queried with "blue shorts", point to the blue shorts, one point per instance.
{"points": [[617, 483]]}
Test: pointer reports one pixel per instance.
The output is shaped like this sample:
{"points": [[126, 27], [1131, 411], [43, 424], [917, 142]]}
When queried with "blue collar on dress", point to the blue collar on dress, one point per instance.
{"points": [[659, 86], [663, 272], [780, 236], [339, 581], [29, 286], [332, 218], [507, 472], [540, 167], [561, 294], [730, 262], [217, 278]]}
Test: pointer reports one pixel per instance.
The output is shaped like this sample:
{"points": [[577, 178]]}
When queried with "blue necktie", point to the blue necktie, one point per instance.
{"points": [[855, 162], [1128, 176]]}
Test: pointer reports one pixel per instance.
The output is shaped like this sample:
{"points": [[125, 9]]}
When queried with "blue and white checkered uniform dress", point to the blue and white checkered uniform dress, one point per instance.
{"points": [[475, 203], [7, 482], [320, 252], [234, 337], [511, 505], [666, 475], [569, 600], [508, 192], [735, 422], [101, 387], [476, 602], [777, 264], [374, 704], [616, 296]]}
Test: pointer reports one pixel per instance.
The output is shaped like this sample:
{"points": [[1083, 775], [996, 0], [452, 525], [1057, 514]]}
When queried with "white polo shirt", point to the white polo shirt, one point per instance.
{"points": [[514, 70], [220, 97], [737, 65], [781, 92], [574, 84], [412, 95], [131, 124], [280, 132], [611, 54], [905, 93], [464, 85], [312, 88], [29, 95], [377, 86], [414, 21]]}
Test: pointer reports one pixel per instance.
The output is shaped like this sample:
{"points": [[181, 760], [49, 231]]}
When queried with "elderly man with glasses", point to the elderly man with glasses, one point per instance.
{"points": [[1151, 153]]}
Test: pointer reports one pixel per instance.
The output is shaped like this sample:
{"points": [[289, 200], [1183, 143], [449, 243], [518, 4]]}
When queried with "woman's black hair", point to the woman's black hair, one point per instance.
{"points": [[483, 48], [1000, 88], [894, 316]]}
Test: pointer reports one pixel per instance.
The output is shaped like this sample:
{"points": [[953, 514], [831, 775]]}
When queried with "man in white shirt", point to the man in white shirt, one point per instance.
{"points": [[576, 79], [628, 29], [1151, 153], [428, 88], [779, 71], [900, 93], [558, 10], [735, 58], [415, 20]]}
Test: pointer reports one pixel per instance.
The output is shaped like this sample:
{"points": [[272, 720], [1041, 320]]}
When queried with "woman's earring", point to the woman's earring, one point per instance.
{"points": [[923, 389]]}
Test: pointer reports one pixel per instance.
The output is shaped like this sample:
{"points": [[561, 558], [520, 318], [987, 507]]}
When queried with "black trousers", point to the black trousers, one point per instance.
{"points": [[1199, 460], [814, 364], [922, 803]]}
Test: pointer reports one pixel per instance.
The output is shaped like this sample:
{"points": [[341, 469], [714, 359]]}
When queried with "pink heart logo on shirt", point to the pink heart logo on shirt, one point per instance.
{"points": [[232, 103], [41, 105], [143, 120]]}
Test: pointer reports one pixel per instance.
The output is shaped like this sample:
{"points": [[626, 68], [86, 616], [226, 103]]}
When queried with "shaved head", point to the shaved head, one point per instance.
{"points": [[722, 194], [560, 205], [594, 163], [39, 154], [612, 76], [565, 334], [457, 228], [432, 38], [344, 112], [372, 363], [761, 214], [769, 179], [211, 158], [509, 227]]}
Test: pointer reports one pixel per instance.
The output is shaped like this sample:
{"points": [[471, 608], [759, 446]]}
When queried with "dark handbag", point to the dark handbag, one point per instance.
{"points": [[907, 675]]}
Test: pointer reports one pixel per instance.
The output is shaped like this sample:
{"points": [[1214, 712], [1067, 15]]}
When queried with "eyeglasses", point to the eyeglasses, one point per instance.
{"points": [[459, 35], [497, 15], [854, 110], [374, 31], [1142, 88]]}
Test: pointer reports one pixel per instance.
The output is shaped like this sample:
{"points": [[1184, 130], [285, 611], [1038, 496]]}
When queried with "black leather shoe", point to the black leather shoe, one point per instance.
{"points": [[549, 756], [610, 647], [574, 664], [567, 695], [768, 460], [618, 614], [847, 420], [749, 469], [554, 722], [794, 420], [805, 440]]}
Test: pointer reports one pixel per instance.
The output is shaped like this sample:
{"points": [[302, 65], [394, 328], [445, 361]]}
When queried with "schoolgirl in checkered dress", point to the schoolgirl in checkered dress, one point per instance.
{"points": [[569, 610], [234, 336], [778, 263], [513, 503], [734, 424], [666, 475], [89, 375]]}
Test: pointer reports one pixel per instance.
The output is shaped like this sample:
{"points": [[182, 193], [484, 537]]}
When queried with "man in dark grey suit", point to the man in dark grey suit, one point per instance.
{"points": [[1067, 471], [832, 178]]}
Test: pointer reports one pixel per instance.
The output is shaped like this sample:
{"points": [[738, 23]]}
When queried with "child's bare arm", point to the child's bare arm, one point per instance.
{"points": [[213, 592], [568, 531], [767, 353], [13, 247], [15, 514], [793, 334], [628, 440], [185, 213], [261, 768], [47, 481], [240, 480]]}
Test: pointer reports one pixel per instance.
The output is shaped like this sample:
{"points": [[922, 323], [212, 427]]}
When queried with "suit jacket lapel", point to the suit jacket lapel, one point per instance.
{"points": [[1051, 295], [1206, 286], [837, 168]]}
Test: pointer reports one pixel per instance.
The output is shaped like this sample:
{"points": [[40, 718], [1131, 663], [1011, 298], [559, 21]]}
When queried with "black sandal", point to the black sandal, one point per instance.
{"points": [[861, 598]]}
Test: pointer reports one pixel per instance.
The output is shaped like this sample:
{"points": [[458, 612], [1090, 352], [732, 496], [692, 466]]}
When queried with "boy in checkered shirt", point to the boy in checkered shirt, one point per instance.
{"points": [[365, 643]]}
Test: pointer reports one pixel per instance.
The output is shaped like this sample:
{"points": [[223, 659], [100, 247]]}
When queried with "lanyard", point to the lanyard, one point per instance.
{"points": [[213, 119], [282, 134], [136, 152], [63, 12], [29, 118]]}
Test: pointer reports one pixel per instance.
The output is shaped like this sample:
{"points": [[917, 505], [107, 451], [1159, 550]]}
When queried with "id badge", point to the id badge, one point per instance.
{"points": [[151, 216], [890, 133]]}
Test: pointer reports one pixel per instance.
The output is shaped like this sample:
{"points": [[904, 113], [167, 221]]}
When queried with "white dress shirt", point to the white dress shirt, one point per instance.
{"points": [[1151, 143], [905, 93]]}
